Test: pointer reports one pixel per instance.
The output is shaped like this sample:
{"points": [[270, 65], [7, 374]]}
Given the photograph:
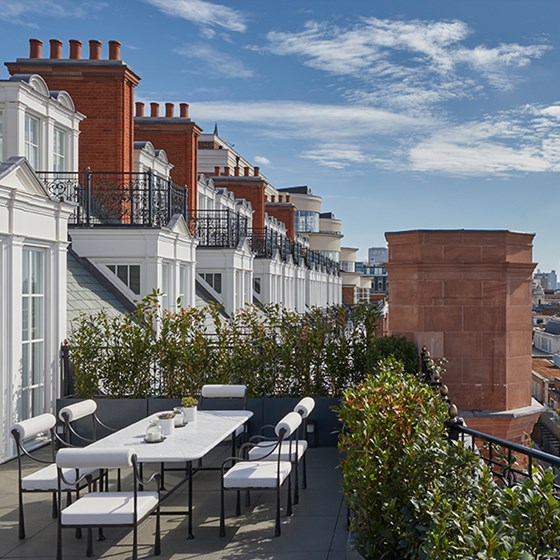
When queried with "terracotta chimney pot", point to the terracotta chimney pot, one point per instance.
{"points": [[114, 50], [184, 110], [75, 49], [170, 109], [154, 109], [272, 198], [217, 170], [226, 171], [236, 170], [94, 49], [256, 171], [139, 109], [287, 198], [56, 48], [246, 171], [35, 48]]}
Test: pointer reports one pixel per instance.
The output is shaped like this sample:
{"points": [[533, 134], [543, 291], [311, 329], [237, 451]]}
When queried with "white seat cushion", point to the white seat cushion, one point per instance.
{"points": [[256, 474], [264, 447], [108, 508], [46, 478]]}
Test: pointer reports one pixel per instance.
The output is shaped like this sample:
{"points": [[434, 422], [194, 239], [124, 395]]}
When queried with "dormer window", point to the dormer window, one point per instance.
{"points": [[32, 141]]}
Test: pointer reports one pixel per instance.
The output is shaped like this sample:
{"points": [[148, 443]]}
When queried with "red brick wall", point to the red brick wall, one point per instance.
{"points": [[253, 190], [179, 138], [105, 94], [285, 213], [349, 295], [466, 295]]}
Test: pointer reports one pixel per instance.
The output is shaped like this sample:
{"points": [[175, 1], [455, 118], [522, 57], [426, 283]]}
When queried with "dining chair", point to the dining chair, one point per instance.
{"points": [[85, 410], [39, 429], [262, 474], [264, 447], [106, 509]]}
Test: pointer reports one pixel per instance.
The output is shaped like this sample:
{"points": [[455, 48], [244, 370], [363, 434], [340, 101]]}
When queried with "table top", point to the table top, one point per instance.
{"points": [[187, 443]]}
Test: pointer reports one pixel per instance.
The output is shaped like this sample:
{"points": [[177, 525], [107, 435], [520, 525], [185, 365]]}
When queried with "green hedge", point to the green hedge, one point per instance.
{"points": [[273, 351], [412, 494]]}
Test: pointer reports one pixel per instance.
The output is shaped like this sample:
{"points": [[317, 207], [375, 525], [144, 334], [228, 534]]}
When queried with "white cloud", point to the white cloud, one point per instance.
{"points": [[262, 160], [24, 11], [203, 13], [406, 63], [216, 61], [526, 140], [335, 156], [295, 119]]}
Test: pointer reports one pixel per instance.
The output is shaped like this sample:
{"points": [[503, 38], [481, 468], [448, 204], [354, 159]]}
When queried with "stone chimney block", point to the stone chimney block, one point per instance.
{"points": [[56, 48], [35, 48], [94, 49], [114, 50], [75, 49]]}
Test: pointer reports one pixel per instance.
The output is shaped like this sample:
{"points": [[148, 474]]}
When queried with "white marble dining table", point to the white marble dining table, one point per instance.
{"points": [[187, 443]]}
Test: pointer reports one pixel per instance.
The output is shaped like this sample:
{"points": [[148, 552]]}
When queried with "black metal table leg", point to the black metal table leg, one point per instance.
{"points": [[190, 477]]}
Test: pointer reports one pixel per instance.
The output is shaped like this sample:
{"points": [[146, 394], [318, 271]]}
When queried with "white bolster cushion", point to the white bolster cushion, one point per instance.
{"points": [[290, 423], [32, 427], [78, 410], [223, 391], [305, 406], [94, 458]]}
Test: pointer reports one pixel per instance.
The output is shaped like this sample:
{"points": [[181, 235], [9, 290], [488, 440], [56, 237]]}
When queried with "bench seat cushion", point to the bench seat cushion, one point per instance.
{"points": [[264, 447], [256, 474], [108, 508], [46, 478]]}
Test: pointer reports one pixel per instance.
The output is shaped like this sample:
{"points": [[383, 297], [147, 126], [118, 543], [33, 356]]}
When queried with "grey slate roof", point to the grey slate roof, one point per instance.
{"points": [[88, 293], [552, 327]]}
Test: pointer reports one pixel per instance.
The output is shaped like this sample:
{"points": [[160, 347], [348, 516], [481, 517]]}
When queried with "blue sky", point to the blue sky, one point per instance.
{"points": [[400, 114]]}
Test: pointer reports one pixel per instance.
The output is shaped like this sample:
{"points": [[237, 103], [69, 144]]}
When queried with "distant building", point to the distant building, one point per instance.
{"points": [[378, 255], [548, 339], [547, 280]]}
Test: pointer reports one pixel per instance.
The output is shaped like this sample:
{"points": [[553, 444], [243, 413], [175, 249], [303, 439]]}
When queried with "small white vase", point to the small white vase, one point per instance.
{"points": [[189, 414], [167, 425]]}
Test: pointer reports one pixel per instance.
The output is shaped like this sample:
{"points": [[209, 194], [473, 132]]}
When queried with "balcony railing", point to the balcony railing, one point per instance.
{"points": [[118, 198], [221, 228]]}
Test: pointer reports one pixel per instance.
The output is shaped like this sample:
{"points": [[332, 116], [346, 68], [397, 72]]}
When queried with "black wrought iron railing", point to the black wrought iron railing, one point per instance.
{"points": [[118, 198], [510, 463], [221, 228], [265, 241]]}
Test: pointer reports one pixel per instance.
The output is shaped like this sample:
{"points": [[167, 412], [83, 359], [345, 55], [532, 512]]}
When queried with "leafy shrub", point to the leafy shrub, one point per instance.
{"points": [[412, 494], [274, 352]]}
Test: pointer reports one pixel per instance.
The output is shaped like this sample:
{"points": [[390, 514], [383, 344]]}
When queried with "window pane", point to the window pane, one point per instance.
{"points": [[218, 283], [25, 333], [37, 406], [37, 318], [26, 285], [38, 363], [25, 365], [122, 273], [111, 267], [134, 272], [37, 272]]}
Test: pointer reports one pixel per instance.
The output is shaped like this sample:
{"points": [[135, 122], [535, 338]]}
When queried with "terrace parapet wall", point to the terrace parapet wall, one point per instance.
{"points": [[466, 296]]}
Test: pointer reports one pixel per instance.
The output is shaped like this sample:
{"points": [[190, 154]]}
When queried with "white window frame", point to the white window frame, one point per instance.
{"points": [[33, 335], [165, 285], [32, 149]]}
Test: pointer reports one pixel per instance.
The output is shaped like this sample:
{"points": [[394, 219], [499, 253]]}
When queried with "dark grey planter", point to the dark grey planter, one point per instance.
{"points": [[352, 553]]}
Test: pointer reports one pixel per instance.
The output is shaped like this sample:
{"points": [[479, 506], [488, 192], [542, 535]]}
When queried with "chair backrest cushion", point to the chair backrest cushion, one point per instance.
{"points": [[32, 427], [78, 410], [86, 457], [223, 391], [290, 423], [305, 407]]}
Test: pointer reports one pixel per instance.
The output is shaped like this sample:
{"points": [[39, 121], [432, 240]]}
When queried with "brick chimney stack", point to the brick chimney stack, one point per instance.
{"points": [[104, 93], [35, 48]]}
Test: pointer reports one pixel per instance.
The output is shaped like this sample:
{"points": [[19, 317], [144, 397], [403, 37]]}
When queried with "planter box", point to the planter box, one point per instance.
{"points": [[118, 413], [352, 552]]}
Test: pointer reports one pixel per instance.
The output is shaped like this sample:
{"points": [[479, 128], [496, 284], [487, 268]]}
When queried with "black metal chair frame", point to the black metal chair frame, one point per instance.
{"points": [[137, 483]]}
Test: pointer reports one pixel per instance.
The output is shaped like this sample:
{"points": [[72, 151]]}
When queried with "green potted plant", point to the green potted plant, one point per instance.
{"points": [[190, 405]]}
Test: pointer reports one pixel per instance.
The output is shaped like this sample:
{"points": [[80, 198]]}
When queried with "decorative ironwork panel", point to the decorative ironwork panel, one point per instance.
{"points": [[221, 228]]}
